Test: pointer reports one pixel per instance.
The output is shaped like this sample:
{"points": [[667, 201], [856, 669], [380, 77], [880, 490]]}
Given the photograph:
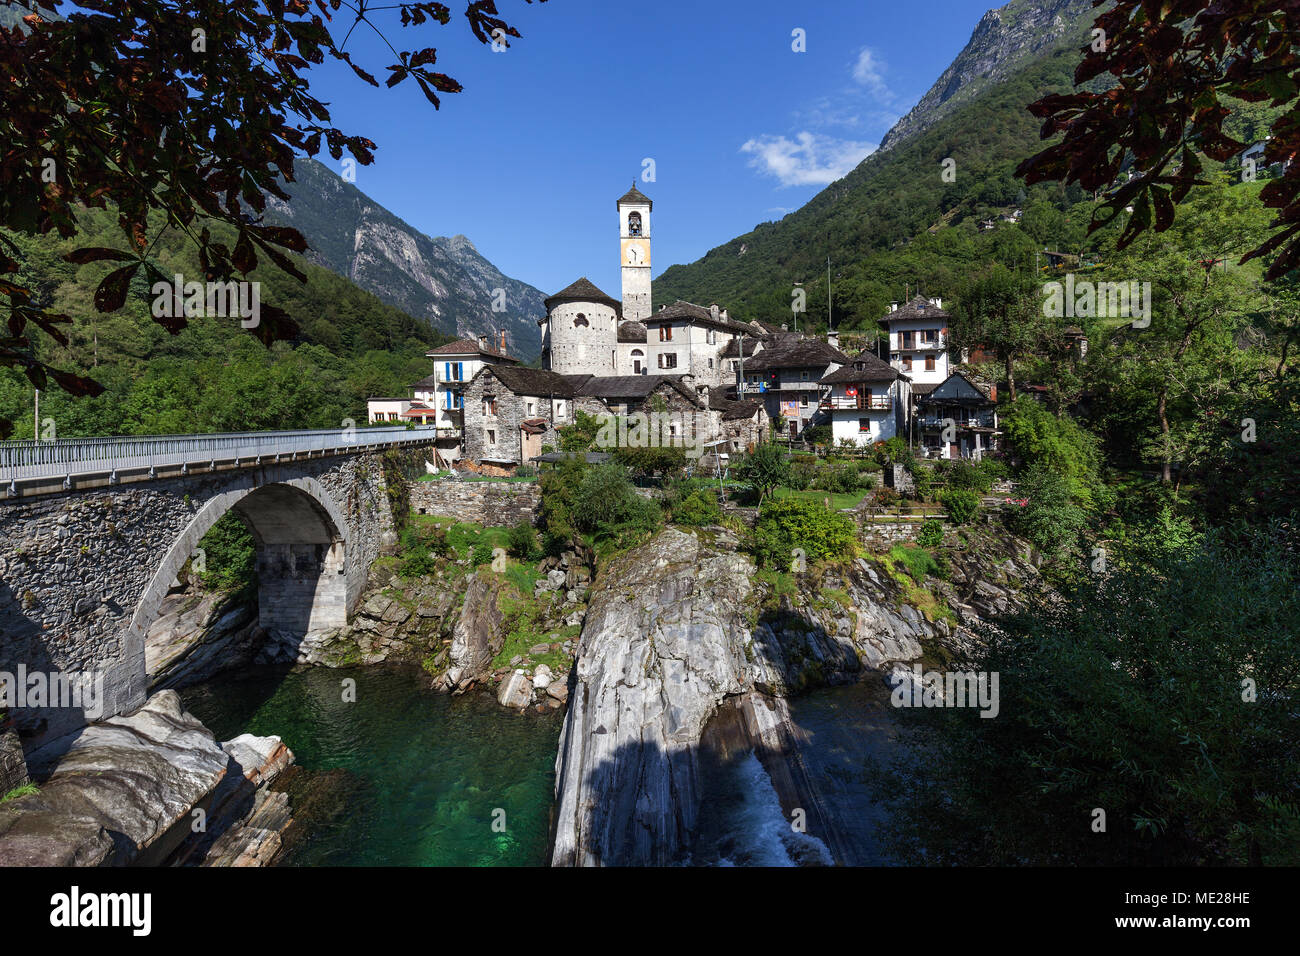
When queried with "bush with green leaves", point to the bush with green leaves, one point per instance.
{"points": [[967, 476], [1162, 690], [931, 533], [764, 470], [961, 505], [1058, 444], [698, 509], [482, 554], [522, 542], [1052, 518], [229, 555], [789, 523]]}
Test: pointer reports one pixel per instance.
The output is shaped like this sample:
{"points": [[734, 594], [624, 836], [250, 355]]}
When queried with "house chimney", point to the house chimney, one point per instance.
{"points": [[833, 338], [713, 309], [938, 302], [893, 307], [503, 341], [724, 313], [482, 341]]}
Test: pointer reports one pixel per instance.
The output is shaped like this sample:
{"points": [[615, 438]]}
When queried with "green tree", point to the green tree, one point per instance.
{"points": [[1160, 691], [1002, 313], [765, 469]]}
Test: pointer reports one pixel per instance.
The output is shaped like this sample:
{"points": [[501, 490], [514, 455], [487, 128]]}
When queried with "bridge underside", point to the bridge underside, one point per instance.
{"points": [[302, 581]]}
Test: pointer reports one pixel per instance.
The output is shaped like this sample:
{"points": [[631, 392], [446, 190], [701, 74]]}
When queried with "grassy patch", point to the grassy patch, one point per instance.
{"points": [[839, 500], [21, 791]]}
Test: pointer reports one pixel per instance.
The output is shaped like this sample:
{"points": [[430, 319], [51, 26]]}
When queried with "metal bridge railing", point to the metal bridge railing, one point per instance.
{"points": [[68, 458]]}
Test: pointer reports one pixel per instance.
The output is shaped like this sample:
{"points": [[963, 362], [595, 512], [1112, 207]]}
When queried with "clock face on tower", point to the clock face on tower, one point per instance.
{"points": [[635, 254]]}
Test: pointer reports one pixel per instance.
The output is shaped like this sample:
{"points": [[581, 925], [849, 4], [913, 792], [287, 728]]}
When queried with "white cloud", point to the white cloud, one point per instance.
{"points": [[869, 73], [810, 159]]}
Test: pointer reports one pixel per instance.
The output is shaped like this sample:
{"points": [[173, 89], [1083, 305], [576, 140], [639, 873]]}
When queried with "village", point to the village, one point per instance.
{"points": [[693, 376]]}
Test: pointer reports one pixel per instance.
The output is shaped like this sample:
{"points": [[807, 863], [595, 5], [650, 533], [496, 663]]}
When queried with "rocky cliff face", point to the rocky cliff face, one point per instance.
{"points": [[678, 631], [443, 280], [1003, 39]]}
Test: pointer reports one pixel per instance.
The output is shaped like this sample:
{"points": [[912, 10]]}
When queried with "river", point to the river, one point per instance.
{"points": [[424, 779]]}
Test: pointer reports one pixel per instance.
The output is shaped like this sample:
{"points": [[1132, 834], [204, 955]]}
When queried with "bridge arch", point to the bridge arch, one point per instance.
{"points": [[302, 538]]}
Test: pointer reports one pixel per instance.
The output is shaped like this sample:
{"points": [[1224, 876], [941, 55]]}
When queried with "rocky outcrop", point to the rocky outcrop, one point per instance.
{"points": [[678, 627], [1004, 39], [658, 653], [443, 280], [197, 635], [144, 788], [478, 635], [122, 791], [13, 767]]}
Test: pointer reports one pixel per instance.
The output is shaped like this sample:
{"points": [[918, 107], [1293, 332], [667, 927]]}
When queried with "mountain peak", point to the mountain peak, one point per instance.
{"points": [[1004, 38]]}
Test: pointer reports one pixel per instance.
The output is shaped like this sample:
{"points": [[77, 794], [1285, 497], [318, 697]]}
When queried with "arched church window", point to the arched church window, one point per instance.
{"points": [[580, 321]]}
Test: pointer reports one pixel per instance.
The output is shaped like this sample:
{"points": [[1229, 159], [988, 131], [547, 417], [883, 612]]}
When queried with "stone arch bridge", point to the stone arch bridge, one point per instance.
{"points": [[94, 531]]}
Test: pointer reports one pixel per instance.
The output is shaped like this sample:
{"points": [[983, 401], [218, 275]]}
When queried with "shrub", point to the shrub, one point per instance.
{"points": [[817, 434], [917, 561], [697, 509], [962, 505], [884, 497], [229, 555], [482, 554], [522, 542], [1052, 519], [791, 523], [965, 475], [931, 533], [766, 468]]}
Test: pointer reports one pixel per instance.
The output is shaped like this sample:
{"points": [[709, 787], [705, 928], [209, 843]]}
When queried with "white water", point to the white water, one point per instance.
{"points": [[755, 831]]}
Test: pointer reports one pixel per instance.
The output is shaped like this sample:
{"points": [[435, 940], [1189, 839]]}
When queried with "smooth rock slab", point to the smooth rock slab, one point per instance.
{"points": [[116, 791]]}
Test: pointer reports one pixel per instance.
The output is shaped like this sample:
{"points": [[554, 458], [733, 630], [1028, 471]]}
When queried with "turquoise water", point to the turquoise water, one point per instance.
{"points": [[428, 780]]}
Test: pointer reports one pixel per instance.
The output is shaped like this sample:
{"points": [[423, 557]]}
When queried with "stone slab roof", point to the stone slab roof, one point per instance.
{"points": [[584, 290], [864, 367], [797, 353], [632, 331]]}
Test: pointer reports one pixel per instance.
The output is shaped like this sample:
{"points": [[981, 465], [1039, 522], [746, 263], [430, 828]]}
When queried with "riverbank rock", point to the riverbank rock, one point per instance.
{"points": [[479, 634], [197, 635], [121, 792], [516, 691], [13, 767], [678, 626], [658, 653]]}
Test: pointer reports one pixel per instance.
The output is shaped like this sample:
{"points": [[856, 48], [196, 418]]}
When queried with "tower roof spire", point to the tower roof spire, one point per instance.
{"points": [[635, 195]]}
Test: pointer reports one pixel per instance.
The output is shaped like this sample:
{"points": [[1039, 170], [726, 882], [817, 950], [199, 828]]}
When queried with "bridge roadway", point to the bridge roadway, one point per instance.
{"points": [[38, 467]]}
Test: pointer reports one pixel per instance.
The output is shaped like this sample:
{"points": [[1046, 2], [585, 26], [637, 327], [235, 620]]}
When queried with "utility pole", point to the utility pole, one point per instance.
{"points": [[828, 294], [36, 417]]}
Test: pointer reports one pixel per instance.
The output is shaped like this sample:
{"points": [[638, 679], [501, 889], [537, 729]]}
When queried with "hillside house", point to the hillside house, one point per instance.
{"points": [[867, 401], [958, 418], [786, 375]]}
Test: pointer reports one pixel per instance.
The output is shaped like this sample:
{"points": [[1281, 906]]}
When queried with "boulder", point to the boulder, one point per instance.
{"points": [[516, 691], [479, 632], [117, 792]]}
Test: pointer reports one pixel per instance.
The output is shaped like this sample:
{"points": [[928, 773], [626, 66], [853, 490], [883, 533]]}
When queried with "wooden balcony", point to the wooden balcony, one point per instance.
{"points": [[857, 403]]}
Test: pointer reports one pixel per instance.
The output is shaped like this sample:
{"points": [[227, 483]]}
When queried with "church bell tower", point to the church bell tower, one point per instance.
{"points": [[634, 249]]}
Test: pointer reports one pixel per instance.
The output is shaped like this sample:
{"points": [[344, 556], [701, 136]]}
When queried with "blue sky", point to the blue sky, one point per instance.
{"points": [[530, 158]]}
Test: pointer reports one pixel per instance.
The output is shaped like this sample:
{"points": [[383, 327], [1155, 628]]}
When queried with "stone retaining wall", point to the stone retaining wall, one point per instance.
{"points": [[13, 768], [498, 503]]}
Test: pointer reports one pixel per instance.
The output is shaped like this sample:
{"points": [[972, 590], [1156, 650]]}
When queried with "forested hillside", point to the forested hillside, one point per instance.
{"points": [[873, 223], [213, 375]]}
